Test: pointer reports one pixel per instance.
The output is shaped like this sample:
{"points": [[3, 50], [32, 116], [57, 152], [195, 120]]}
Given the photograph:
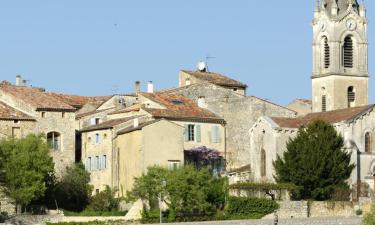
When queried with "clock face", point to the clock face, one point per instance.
{"points": [[351, 24]]}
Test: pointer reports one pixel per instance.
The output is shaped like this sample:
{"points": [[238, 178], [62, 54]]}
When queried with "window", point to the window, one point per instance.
{"points": [[324, 103], [16, 132], [104, 162], [368, 142], [97, 138], [351, 97], [215, 134], [63, 115], [177, 102], [347, 57], [263, 169], [97, 163], [43, 114], [326, 53], [54, 140], [191, 129], [187, 81], [94, 121], [88, 164], [173, 165]]}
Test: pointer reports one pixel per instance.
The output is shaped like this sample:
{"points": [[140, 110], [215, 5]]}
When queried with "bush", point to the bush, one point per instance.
{"points": [[359, 212], [250, 208], [369, 218], [87, 213], [104, 201]]}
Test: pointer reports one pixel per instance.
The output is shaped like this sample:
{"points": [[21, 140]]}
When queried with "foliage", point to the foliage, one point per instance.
{"points": [[187, 192], [359, 212], [111, 222], [245, 208], [73, 192], [369, 218], [105, 201], [26, 168], [315, 161], [88, 213], [203, 157], [263, 186]]}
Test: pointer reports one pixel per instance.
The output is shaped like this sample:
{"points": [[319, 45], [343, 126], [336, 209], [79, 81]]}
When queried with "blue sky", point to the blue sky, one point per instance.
{"points": [[97, 47]]}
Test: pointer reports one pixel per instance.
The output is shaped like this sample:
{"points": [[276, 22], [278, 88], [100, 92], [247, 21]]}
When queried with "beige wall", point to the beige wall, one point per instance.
{"points": [[155, 144], [336, 88], [6, 127], [300, 107], [103, 177]]}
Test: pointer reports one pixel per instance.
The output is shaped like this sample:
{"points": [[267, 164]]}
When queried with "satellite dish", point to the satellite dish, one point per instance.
{"points": [[202, 66]]}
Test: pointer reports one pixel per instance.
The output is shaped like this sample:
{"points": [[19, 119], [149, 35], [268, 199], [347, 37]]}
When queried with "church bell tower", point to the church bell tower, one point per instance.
{"points": [[340, 55]]}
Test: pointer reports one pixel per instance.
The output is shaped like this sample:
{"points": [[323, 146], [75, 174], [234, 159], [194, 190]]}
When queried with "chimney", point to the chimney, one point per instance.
{"points": [[137, 87], [19, 81], [202, 102], [150, 87], [136, 122]]}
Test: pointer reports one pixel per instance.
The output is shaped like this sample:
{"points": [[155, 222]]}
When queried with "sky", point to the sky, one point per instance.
{"points": [[101, 47]]}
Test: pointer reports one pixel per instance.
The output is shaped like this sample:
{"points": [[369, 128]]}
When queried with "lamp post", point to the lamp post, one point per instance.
{"points": [[163, 185]]}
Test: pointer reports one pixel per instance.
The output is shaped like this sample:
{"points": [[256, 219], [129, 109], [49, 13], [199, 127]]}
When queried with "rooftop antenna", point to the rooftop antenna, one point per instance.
{"points": [[115, 89], [208, 57]]}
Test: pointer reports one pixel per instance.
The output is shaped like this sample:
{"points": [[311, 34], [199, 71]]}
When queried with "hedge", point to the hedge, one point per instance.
{"points": [[250, 207], [263, 186]]}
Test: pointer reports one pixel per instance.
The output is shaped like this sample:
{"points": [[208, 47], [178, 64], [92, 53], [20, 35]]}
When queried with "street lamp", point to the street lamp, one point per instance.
{"points": [[163, 185]]}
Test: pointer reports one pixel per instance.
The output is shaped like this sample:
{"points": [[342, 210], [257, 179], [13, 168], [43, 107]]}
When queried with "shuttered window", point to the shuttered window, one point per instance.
{"points": [[215, 134], [348, 52], [326, 53], [351, 96], [191, 132], [198, 133], [324, 103]]}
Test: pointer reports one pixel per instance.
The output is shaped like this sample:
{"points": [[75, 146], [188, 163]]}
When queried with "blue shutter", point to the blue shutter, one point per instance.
{"points": [[198, 133], [186, 132]]}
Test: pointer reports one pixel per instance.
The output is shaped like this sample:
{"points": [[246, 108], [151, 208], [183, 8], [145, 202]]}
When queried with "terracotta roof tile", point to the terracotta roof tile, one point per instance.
{"points": [[216, 78], [9, 113], [179, 107], [133, 108], [329, 117], [73, 100], [108, 124], [36, 98]]}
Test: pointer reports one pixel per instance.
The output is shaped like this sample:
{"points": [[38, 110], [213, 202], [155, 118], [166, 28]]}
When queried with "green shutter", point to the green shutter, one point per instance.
{"points": [[186, 132], [198, 133]]}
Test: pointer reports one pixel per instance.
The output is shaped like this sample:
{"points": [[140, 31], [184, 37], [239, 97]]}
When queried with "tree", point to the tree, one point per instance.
{"points": [[315, 161], [73, 192], [26, 168], [105, 201]]}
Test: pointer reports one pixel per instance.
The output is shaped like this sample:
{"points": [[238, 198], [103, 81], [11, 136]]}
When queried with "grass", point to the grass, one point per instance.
{"points": [[94, 213]]}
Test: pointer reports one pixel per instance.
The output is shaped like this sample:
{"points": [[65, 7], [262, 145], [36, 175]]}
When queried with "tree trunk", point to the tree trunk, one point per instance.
{"points": [[19, 208]]}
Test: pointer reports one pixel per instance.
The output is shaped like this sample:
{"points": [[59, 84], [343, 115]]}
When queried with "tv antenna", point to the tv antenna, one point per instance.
{"points": [[208, 58]]}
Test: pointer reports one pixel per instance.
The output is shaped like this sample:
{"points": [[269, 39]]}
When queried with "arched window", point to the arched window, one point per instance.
{"points": [[326, 53], [347, 52], [54, 140], [324, 103], [368, 142], [351, 96], [263, 168]]}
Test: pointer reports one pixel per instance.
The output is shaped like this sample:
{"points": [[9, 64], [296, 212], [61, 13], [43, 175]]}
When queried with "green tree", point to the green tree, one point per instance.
{"points": [[187, 190], [26, 168], [105, 201], [73, 191], [315, 161]]}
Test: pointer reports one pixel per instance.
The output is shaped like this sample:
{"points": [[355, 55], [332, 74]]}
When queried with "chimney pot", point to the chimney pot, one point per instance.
{"points": [[137, 87], [150, 87], [136, 122], [19, 81]]}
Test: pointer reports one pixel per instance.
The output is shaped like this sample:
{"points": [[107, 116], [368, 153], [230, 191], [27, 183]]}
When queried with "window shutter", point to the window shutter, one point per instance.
{"points": [[213, 134], [87, 165], [186, 132], [218, 134], [198, 133]]}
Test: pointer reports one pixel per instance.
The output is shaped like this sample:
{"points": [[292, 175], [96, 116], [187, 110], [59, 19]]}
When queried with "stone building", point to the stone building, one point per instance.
{"points": [[240, 113], [45, 114], [339, 92], [301, 106]]}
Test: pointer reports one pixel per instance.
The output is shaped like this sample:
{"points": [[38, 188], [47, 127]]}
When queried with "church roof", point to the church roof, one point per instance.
{"points": [[329, 117], [342, 6]]}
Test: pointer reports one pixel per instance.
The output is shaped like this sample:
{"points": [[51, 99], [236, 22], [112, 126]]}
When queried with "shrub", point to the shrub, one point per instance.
{"points": [[369, 218], [359, 212], [87, 213], [104, 201], [250, 208]]}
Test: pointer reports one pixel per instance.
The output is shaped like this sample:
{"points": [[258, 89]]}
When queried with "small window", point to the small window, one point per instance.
{"points": [[97, 163], [177, 102], [347, 58], [351, 97], [324, 103], [174, 165], [187, 81], [191, 132], [235, 89], [368, 143], [215, 134], [97, 139], [16, 121], [43, 114], [63, 115], [54, 140], [88, 164], [326, 53], [104, 162], [97, 121]]}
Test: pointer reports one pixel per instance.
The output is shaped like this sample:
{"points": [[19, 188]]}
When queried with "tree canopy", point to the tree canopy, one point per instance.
{"points": [[25, 168], [316, 161]]}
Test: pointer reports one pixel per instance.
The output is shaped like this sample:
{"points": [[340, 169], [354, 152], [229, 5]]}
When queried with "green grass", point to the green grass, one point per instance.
{"points": [[95, 213]]}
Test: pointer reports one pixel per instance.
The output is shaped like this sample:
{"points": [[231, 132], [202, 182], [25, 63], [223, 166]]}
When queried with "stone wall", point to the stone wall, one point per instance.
{"points": [[6, 204], [331, 209]]}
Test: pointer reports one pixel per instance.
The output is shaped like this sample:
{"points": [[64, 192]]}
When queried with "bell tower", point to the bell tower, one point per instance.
{"points": [[340, 55]]}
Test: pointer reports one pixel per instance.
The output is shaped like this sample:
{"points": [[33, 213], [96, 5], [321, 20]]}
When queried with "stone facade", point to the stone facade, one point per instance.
{"points": [[238, 111], [301, 106]]}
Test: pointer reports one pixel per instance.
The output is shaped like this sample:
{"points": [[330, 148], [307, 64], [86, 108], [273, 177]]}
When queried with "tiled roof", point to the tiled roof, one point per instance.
{"points": [[132, 128], [73, 100], [306, 101], [78, 116], [9, 113], [133, 108], [108, 124], [216, 78], [36, 98], [329, 117], [180, 108]]}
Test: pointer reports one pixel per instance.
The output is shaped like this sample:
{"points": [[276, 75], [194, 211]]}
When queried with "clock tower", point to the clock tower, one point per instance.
{"points": [[340, 56]]}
